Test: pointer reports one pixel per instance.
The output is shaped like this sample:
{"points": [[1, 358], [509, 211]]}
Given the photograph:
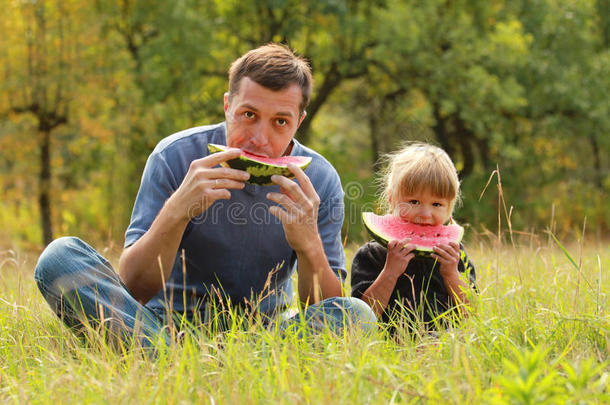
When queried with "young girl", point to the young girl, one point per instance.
{"points": [[421, 186]]}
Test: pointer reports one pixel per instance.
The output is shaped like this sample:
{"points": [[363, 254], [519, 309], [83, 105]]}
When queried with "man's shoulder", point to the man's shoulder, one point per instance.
{"points": [[320, 170], [302, 150], [192, 139]]}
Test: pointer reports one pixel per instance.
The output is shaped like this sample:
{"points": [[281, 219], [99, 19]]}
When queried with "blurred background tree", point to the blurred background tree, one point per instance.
{"points": [[89, 87]]}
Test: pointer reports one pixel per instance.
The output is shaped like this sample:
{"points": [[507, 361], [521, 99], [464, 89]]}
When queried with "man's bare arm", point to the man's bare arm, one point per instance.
{"points": [[146, 265], [317, 280], [298, 211]]}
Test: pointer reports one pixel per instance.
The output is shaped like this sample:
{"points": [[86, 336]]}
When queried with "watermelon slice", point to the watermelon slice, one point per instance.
{"points": [[384, 228], [261, 168]]}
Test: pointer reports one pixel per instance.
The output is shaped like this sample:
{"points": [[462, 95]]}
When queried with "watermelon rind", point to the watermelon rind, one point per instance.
{"points": [[383, 238], [260, 172]]}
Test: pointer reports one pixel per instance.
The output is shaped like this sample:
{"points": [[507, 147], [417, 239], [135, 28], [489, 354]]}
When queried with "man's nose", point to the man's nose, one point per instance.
{"points": [[260, 135]]}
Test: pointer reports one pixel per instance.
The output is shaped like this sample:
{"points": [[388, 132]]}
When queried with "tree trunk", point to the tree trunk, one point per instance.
{"points": [[373, 131], [44, 191], [597, 163], [484, 152], [441, 132], [332, 79], [604, 21], [465, 138]]}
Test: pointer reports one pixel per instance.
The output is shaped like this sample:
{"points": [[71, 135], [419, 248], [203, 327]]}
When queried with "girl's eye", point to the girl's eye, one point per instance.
{"points": [[437, 204], [248, 114], [413, 202], [281, 122]]}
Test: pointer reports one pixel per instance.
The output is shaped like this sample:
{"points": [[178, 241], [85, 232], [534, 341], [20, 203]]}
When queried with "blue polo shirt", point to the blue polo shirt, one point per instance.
{"points": [[236, 248]]}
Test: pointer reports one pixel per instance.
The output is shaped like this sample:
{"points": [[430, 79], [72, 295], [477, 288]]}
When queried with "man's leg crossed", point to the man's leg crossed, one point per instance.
{"points": [[82, 288], [338, 314]]}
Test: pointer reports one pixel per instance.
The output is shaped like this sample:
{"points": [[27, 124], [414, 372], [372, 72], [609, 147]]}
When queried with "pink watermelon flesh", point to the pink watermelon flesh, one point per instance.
{"points": [[281, 161], [262, 168], [385, 228]]}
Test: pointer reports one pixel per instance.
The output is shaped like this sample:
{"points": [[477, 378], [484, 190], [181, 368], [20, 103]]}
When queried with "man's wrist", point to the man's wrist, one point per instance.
{"points": [[174, 214], [311, 249]]}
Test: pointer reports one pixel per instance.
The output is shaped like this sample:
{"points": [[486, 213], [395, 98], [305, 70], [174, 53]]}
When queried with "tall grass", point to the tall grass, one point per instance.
{"points": [[539, 333]]}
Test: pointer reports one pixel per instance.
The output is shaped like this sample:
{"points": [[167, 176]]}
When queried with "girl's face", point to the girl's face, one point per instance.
{"points": [[423, 208]]}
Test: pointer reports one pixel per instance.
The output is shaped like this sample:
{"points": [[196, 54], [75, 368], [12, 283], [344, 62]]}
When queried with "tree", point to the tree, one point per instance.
{"points": [[164, 53], [39, 82], [332, 35], [452, 78]]}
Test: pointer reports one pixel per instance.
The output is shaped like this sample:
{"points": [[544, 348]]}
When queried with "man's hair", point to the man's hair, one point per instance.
{"points": [[415, 168], [275, 67]]}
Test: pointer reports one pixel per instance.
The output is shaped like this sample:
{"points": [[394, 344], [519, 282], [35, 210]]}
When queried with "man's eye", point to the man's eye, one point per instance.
{"points": [[249, 114], [281, 122]]}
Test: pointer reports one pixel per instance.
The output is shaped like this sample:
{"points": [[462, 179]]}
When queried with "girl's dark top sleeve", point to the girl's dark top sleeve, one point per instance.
{"points": [[366, 266]]}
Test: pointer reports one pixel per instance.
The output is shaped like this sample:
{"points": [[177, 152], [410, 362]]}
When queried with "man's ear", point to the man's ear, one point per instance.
{"points": [[303, 115], [226, 101]]}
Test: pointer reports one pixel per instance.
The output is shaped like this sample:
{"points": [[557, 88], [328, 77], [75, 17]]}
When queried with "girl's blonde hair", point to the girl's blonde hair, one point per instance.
{"points": [[417, 167]]}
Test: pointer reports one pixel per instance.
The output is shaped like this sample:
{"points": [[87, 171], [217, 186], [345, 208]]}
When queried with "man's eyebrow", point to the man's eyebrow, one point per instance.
{"points": [[288, 114], [249, 107]]}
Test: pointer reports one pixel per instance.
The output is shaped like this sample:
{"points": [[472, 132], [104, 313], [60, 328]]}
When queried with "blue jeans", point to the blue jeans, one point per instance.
{"points": [[83, 289]]}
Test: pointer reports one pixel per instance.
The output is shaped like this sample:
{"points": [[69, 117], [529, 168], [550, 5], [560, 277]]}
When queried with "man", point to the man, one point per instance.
{"points": [[200, 238]]}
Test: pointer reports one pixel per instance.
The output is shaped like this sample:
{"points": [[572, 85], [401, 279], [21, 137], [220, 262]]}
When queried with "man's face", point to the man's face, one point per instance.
{"points": [[262, 121]]}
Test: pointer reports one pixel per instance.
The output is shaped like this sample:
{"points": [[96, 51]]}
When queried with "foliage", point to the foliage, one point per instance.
{"points": [[517, 86]]}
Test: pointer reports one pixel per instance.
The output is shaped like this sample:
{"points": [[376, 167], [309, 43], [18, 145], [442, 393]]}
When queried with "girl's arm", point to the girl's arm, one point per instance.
{"points": [[379, 292], [448, 257]]}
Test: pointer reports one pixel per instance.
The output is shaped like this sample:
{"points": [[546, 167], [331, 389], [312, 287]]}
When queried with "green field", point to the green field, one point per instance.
{"points": [[539, 333], [516, 92]]}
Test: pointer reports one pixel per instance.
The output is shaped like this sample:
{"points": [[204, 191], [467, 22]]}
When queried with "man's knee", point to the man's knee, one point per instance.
{"points": [[359, 310], [351, 310], [52, 263]]}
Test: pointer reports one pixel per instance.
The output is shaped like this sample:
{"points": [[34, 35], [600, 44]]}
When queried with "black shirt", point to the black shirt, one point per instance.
{"points": [[420, 292]]}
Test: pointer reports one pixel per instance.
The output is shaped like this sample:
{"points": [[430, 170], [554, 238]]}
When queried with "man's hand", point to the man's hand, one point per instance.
{"points": [[204, 183], [147, 264], [299, 214], [298, 211], [400, 253]]}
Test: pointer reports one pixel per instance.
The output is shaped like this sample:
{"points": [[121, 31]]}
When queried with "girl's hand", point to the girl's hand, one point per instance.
{"points": [[448, 256], [400, 253]]}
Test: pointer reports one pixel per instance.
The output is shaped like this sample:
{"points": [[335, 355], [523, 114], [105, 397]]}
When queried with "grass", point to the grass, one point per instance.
{"points": [[540, 333]]}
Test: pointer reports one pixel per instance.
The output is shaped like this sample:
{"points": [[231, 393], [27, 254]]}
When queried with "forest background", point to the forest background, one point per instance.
{"points": [[516, 91]]}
